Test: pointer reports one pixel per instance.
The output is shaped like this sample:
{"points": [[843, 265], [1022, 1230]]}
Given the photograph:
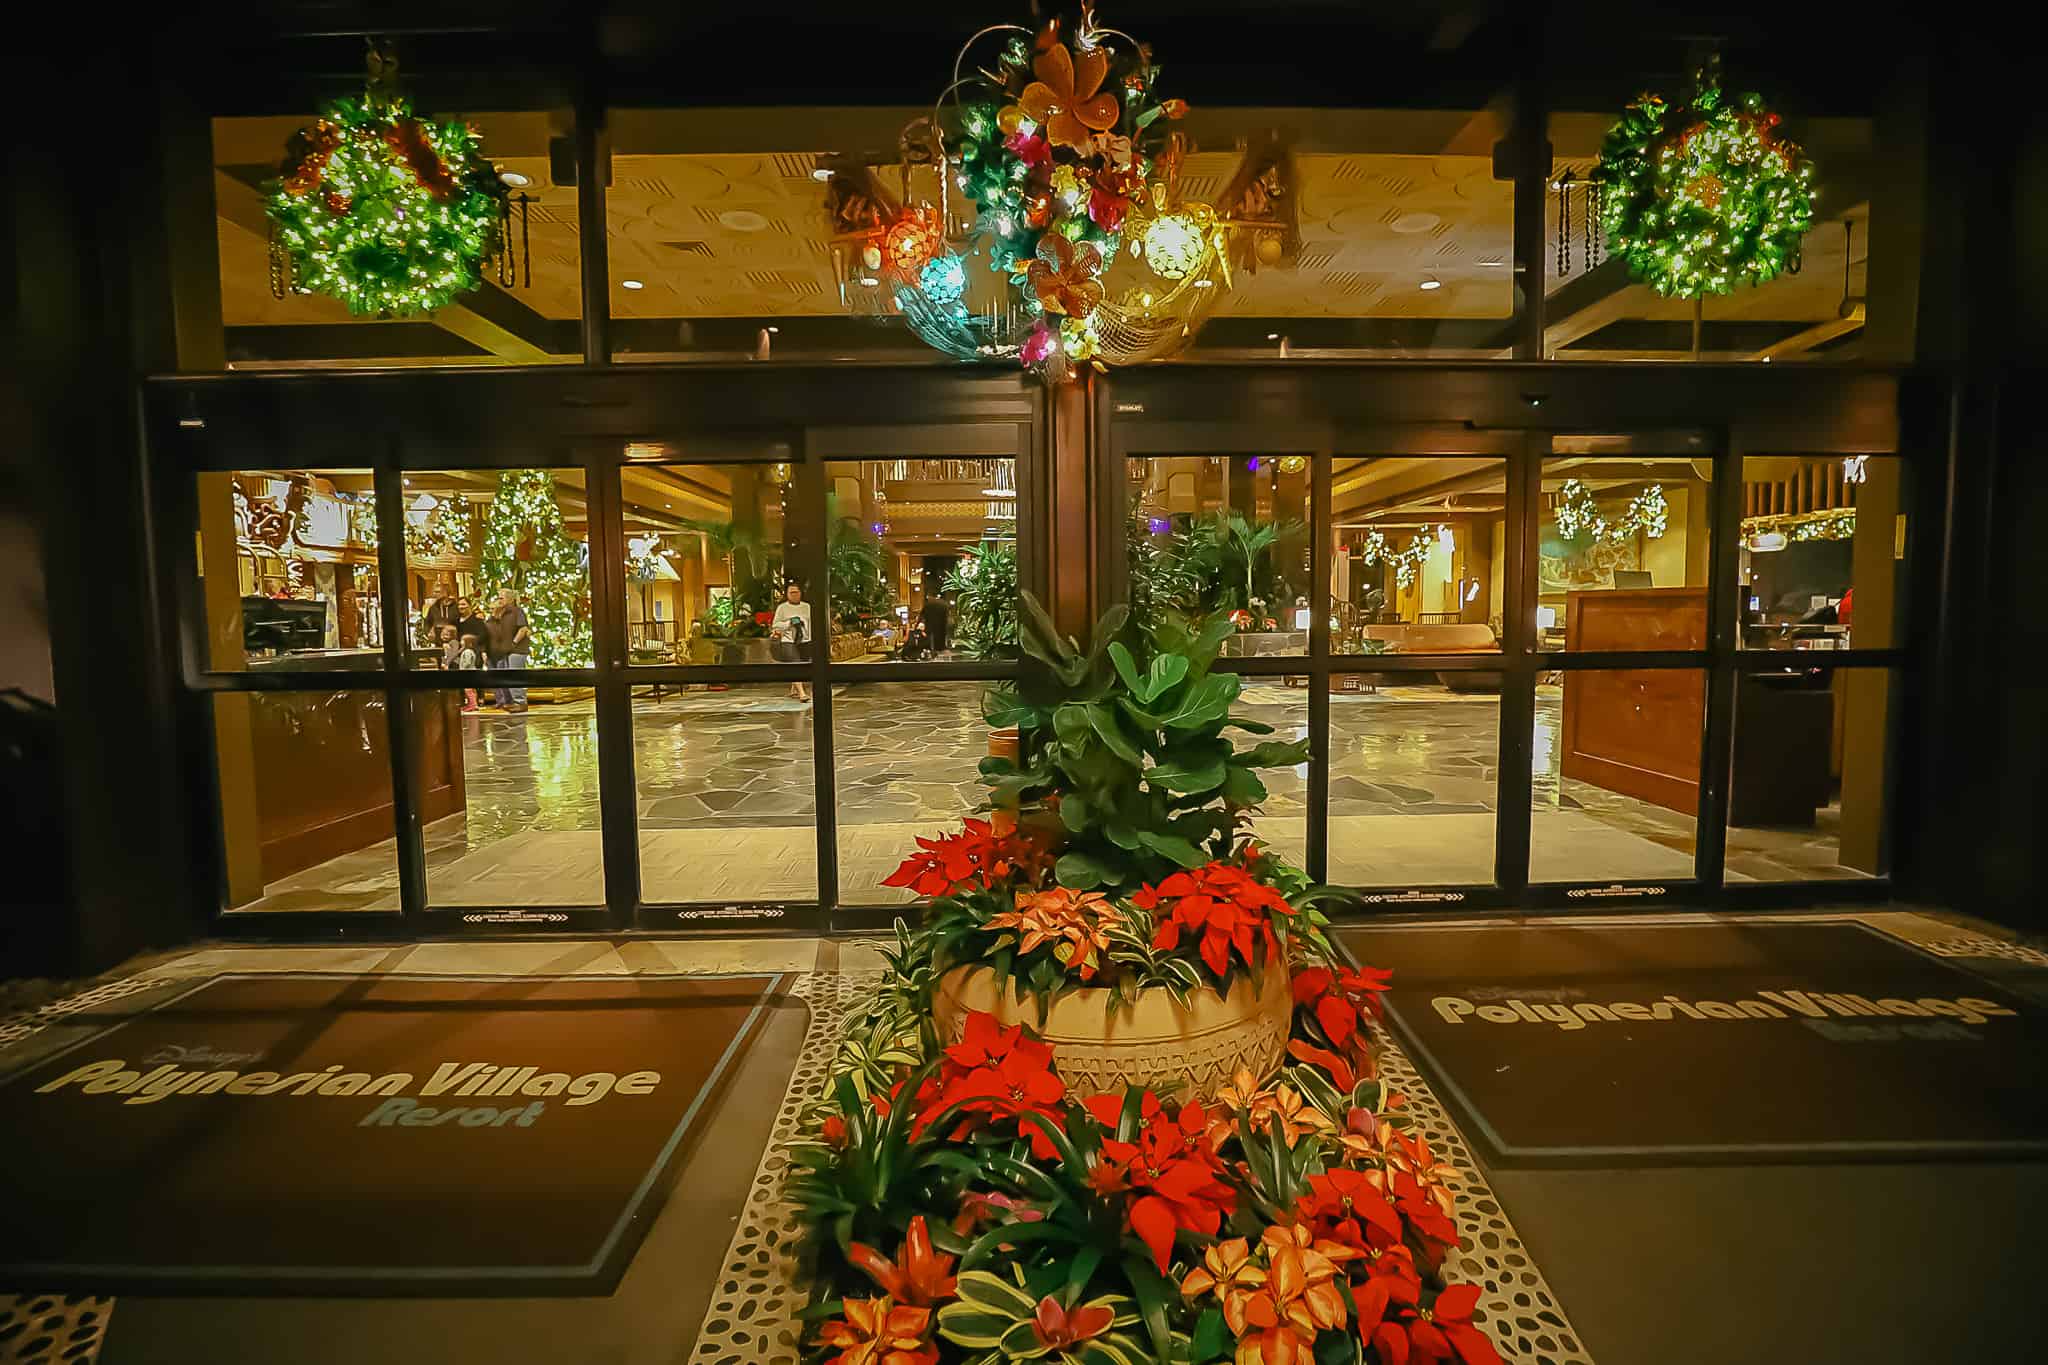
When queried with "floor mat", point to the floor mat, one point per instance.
{"points": [[324, 1134], [1733, 1041]]}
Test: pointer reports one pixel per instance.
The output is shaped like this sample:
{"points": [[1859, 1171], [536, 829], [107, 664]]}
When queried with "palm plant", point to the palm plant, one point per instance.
{"points": [[983, 586]]}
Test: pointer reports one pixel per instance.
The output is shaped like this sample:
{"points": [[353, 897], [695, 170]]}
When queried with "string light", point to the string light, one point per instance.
{"points": [[1578, 517]]}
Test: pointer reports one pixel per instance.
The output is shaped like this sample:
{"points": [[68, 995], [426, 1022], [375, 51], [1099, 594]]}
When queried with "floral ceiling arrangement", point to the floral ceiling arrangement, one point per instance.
{"points": [[970, 1199], [393, 215], [1080, 248], [1578, 517], [1704, 194]]}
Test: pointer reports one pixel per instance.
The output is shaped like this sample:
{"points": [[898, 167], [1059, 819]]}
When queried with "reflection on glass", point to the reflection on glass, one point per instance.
{"points": [[709, 553], [510, 801], [1210, 535], [1616, 775], [288, 569], [921, 557], [906, 761], [1413, 759], [498, 570], [1807, 787], [305, 801], [528, 316], [1419, 550], [1281, 821], [1623, 550], [728, 812], [1814, 532]]}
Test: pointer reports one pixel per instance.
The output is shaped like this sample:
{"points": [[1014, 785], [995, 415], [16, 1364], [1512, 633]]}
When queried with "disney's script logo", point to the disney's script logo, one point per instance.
{"points": [[199, 1054]]}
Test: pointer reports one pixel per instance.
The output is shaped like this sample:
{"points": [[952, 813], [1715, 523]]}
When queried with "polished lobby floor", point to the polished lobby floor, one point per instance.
{"points": [[727, 800]]}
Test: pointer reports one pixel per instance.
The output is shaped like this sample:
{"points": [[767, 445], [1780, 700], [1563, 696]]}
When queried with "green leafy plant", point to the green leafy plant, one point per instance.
{"points": [[983, 586], [857, 567], [1126, 743]]}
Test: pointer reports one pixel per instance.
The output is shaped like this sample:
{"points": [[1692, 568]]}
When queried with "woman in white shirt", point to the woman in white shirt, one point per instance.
{"points": [[791, 630]]}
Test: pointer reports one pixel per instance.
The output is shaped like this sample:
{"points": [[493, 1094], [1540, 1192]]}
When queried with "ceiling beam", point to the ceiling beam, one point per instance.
{"points": [[1799, 343], [487, 318]]}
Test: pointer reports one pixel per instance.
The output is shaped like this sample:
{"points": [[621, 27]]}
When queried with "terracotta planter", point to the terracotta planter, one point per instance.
{"points": [[1152, 1042]]}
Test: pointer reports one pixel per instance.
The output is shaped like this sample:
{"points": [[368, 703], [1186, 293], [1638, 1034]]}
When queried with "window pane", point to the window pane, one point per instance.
{"points": [[526, 312], [1616, 775], [906, 761], [921, 556], [728, 811], [1413, 760], [1813, 532], [287, 560], [509, 798], [1420, 550], [305, 801], [709, 553], [1222, 534], [501, 557], [1282, 820], [1623, 548], [1807, 793]]}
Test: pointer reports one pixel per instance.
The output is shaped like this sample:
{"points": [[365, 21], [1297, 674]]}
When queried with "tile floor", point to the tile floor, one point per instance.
{"points": [[727, 801]]}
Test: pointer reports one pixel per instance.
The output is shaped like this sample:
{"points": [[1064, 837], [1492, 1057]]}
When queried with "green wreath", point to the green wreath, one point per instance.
{"points": [[390, 214], [1702, 196]]}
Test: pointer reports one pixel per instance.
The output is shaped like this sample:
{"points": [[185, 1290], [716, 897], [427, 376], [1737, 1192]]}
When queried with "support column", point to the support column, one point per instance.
{"points": [[1073, 570]]}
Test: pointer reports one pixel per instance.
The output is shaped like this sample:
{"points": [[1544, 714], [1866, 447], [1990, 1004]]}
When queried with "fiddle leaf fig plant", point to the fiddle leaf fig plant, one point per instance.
{"points": [[1125, 745]]}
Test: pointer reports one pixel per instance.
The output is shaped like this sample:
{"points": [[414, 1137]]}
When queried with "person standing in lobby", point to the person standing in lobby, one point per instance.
{"points": [[509, 638], [791, 631]]}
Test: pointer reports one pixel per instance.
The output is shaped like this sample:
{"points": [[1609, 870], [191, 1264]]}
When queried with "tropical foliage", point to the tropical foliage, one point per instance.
{"points": [[983, 586], [1217, 564]]}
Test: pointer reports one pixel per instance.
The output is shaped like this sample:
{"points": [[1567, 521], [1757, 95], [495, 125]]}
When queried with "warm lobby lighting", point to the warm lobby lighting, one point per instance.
{"points": [[631, 284]]}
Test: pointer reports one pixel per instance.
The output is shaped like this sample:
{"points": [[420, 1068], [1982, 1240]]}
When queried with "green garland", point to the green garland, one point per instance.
{"points": [[1702, 196], [392, 215], [1579, 517]]}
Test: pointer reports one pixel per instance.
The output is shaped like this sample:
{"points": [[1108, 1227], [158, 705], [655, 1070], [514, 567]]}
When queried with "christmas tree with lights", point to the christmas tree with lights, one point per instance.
{"points": [[526, 549]]}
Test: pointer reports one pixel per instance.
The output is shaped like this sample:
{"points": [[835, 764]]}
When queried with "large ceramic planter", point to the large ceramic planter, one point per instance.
{"points": [[1152, 1042]]}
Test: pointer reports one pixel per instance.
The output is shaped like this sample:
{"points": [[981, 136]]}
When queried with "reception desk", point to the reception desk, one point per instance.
{"points": [[1636, 731], [305, 776]]}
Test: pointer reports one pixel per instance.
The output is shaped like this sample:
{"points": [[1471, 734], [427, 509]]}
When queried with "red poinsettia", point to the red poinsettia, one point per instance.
{"points": [[1391, 1282], [762, 618], [1444, 1331], [919, 1276], [1349, 1207], [1172, 1174], [1224, 905], [976, 856], [996, 1073]]}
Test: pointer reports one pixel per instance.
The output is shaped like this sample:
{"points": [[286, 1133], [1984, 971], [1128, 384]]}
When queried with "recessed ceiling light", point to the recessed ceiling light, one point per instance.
{"points": [[775, 329], [631, 284], [869, 280], [822, 173], [1272, 336], [1432, 283], [515, 179], [1493, 263], [743, 220]]}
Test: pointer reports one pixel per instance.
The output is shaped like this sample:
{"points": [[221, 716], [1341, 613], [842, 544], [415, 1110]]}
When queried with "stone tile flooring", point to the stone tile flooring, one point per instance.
{"points": [[727, 800]]}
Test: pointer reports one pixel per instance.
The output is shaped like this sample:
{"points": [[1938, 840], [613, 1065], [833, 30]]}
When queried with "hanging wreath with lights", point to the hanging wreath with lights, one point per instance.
{"points": [[1578, 517], [391, 214], [1061, 148], [1703, 195]]}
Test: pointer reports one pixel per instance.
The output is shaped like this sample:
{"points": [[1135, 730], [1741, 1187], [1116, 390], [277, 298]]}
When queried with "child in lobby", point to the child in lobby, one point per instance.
{"points": [[469, 656]]}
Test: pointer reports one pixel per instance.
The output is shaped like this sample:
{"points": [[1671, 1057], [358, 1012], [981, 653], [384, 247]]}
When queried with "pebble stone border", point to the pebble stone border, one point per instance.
{"points": [[752, 1318]]}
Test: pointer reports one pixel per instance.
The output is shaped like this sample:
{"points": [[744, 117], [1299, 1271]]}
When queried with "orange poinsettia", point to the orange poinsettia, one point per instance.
{"points": [[1065, 277], [919, 1276], [1304, 1295], [1227, 1269], [1273, 1105], [1067, 98], [880, 1332], [1076, 923]]}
